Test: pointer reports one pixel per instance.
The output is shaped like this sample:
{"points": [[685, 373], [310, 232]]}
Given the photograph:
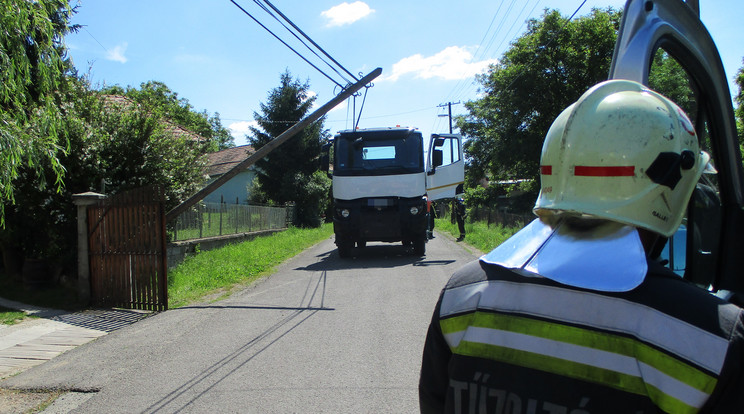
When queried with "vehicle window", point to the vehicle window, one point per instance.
{"points": [[450, 150], [378, 153], [691, 249]]}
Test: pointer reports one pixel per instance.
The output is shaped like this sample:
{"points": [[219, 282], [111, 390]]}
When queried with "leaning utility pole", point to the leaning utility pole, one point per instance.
{"points": [[449, 109], [271, 145]]}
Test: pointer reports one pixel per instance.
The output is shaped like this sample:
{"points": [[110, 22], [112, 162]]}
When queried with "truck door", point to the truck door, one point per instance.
{"points": [[707, 249], [445, 166]]}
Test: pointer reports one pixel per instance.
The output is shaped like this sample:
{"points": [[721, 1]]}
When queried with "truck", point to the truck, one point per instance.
{"points": [[707, 249], [382, 183]]}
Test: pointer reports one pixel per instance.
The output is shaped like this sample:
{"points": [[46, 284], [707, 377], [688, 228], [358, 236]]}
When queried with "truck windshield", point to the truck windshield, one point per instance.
{"points": [[380, 153]]}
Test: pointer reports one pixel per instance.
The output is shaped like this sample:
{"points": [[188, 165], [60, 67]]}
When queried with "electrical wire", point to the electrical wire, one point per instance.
{"points": [[547, 45], [285, 43], [311, 41], [464, 88], [268, 7]]}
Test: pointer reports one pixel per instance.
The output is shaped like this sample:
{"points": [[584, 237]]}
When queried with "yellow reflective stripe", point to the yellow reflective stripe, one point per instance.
{"points": [[677, 370], [612, 314], [575, 370]]}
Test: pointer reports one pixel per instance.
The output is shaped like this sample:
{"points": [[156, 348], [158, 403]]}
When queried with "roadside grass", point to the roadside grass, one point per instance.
{"points": [[479, 234], [214, 274], [10, 316]]}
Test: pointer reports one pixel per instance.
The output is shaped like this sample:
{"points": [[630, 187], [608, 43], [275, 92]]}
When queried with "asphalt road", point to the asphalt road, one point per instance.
{"points": [[322, 334]]}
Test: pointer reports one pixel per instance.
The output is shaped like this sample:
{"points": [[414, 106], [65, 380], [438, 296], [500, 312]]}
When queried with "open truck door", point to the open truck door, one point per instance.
{"points": [[707, 248], [445, 166]]}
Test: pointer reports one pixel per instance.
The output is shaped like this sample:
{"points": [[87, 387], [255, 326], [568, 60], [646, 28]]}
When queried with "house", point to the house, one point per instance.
{"points": [[236, 188], [218, 163]]}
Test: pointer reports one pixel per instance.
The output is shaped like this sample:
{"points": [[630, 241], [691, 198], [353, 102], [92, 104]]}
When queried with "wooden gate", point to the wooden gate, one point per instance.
{"points": [[127, 249]]}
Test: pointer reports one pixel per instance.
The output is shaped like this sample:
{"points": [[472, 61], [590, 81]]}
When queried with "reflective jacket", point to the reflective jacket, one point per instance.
{"points": [[506, 341]]}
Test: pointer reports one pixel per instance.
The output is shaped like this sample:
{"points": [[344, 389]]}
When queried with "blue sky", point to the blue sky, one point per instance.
{"points": [[215, 56]]}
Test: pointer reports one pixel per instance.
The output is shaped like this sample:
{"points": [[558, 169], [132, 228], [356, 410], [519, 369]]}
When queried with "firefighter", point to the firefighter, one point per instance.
{"points": [[458, 214], [573, 314]]}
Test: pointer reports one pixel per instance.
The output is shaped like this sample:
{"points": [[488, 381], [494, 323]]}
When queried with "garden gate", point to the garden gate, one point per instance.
{"points": [[127, 250]]}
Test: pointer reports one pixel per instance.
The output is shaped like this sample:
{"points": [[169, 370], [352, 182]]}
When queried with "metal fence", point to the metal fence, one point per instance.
{"points": [[498, 216], [489, 215], [220, 219]]}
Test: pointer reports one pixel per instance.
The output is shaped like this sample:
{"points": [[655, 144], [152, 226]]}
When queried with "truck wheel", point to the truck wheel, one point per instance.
{"points": [[419, 247], [361, 244], [344, 249]]}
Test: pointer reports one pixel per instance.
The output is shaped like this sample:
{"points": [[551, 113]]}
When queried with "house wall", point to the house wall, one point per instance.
{"points": [[235, 187]]}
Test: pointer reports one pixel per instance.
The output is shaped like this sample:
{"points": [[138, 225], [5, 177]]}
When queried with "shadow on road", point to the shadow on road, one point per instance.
{"points": [[378, 256], [182, 397]]}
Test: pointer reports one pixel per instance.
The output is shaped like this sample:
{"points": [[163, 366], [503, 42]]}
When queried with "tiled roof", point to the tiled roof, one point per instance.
{"points": [[221, 162], [178, 131]]}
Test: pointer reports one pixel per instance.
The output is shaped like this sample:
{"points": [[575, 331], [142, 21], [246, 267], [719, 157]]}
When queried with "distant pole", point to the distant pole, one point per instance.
{"points": [[449, 112]]}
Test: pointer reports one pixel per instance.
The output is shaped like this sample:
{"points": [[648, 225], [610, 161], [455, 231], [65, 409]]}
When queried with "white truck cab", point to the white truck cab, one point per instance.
{"points": [[381, 183]]}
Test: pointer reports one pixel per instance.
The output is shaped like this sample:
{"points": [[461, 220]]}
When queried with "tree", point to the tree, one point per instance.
{"points": [[287, 174], [32, 68], [112, 145], [543, 72], [669, 78], [157, 98]]}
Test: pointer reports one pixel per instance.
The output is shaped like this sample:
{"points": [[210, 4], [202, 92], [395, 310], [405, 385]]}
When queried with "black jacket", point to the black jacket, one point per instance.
{"points": [[507, 341]]}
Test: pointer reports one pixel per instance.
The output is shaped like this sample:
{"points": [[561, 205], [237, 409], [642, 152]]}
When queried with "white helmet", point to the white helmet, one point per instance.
{"points": [[622, 153]]}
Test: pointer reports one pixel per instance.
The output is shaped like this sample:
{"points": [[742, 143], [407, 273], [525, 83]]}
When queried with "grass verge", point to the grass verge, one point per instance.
{"points": [[216, 273], [10, 316], [479, 234]]}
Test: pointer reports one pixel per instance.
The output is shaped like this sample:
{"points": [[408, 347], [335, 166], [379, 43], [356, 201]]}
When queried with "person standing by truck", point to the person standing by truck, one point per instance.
{"points": [[573, 312], [459, 213]]}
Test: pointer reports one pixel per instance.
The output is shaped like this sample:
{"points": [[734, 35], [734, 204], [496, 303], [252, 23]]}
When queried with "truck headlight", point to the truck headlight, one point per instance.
{"points": [[414, 210], [345, 213]]}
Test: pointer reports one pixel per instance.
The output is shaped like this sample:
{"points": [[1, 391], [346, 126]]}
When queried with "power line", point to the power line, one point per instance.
{"points": [[285, 43], [294, 30], [463, 87], [311, 41], [461, 91], [547, 45]]}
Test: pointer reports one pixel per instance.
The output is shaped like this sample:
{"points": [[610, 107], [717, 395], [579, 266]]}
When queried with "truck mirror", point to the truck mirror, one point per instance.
{"points": [[437, 158], [325, 157], [438, 142]]}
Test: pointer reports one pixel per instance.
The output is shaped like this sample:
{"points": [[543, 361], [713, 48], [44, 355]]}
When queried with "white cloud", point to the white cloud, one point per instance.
{"points": [[452, 63], [117, 53], [346, 13], [310, 95], [239, 130]]}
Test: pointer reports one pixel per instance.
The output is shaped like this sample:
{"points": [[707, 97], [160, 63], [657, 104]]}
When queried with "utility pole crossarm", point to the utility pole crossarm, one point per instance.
{"points": [[449, 112], [271, 145]]}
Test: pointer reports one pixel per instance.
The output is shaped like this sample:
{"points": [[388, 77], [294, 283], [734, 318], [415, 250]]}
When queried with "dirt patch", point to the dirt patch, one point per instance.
{"points": [[17, 401]]}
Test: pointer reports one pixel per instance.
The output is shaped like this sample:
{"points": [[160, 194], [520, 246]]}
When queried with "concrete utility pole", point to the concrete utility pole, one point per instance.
{"points": [[449, 109], [271, 145]]}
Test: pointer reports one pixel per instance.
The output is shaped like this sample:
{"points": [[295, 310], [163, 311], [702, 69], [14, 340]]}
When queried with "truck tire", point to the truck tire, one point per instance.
{"points": [[361, 244], [419, 247]]}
